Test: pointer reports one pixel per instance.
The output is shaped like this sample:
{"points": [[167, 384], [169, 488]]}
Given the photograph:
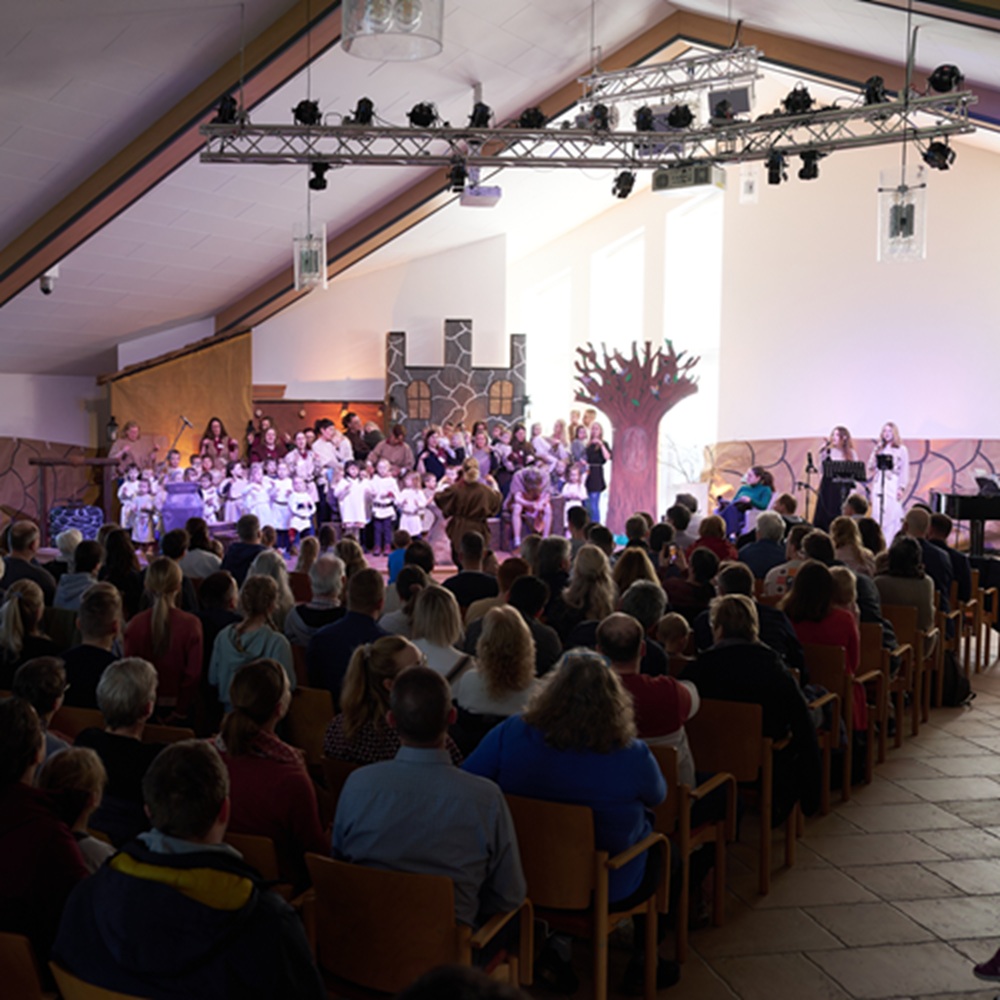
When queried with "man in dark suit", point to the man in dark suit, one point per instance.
{"points": [[937, 565], [961, 567]]}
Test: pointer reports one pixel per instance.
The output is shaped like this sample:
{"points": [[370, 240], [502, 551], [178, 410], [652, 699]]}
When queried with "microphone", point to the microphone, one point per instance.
{"points": [[187, 423]]}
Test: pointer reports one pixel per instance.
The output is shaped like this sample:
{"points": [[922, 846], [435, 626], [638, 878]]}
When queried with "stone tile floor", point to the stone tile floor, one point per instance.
{"points": [[895, 894]]}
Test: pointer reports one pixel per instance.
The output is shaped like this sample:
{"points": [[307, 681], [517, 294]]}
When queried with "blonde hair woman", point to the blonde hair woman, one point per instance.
{"points": [[576, 742], [848, 547], [633, 564], [437, 628], [271, 563], [352, 555], [21, 636], [889, 478], [168, 638], [590, 595], [308, 554]]}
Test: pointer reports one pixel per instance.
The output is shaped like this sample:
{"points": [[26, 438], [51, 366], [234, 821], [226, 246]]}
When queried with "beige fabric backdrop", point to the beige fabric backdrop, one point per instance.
{"points": [[214, 381]]}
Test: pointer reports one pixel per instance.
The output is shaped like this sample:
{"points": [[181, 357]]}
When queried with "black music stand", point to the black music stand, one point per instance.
{"points": [[845, 475]]}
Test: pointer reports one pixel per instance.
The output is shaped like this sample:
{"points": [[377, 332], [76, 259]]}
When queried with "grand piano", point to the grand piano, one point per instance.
{"points": [[976, 508]]}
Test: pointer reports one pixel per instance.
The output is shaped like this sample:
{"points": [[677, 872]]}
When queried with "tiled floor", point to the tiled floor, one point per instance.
{"points": [[894, 894]]}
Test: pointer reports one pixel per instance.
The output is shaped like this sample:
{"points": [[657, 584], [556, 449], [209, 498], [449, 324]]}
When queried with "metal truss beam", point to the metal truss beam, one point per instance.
{"points": [[922, 118]]}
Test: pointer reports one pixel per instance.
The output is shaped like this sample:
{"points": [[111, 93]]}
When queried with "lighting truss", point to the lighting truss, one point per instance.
{"points": [[921, 118], [730, 68]]}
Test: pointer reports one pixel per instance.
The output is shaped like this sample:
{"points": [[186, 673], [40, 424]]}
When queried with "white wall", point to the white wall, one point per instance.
{"points": [[62, 409], [154, 344], [331, 345], [815, 332]]}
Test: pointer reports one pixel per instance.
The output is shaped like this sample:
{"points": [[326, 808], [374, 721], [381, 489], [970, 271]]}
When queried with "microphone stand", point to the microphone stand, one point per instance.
{"points": [[184, 423], [807, 485]]}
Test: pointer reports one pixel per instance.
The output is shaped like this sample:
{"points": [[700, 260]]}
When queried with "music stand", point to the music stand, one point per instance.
{"points": [[845, 474], [884, 463]]}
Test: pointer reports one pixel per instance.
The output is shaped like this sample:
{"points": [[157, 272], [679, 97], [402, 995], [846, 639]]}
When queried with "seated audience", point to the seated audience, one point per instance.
{"points": [[679, 517], [126, 696], [712, 536], [394, 814], [174, 545], [871, 536], [937, 534], [66, 543], [768, 550], [308, 554], [577, 521], [353, 556], [121, 568], [631, 565], [179, 883], [87, 560], [76, 780], [99, 620], [437, 630], [271, 563], [252, 638], [508, 571], [410, 581], [551, 564], [200, 560], [471, 583], [673, 633], [245, 549], [271, 793], [937, 565], [690, 595], [326, 575], [42, 683], [856, 506], [848, 547], [23, 540], [40, 861], [778, 580], [218, 599], [21, 636], [591, 593], [905, 581]]}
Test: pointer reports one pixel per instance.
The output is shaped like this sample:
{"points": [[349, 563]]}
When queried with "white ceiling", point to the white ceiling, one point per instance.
{"points": [[80, 78]]}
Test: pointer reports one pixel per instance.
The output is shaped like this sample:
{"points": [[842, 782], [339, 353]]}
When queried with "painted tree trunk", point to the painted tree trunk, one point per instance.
{"points": [[633, 472]]}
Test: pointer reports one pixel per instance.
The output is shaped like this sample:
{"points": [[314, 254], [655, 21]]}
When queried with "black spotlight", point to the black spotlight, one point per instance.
{"points": [[457, 176], [680, 116], [363, 113], [422, 115], [623, 184], [776, 168], [644, 119], [809, 170], [226, 112], [318, 180], [532, 118], [600, 117], [798, 101], [945, 78], [939, 156], [875, 90], [481, 115], [723, 111], [307, 113]]}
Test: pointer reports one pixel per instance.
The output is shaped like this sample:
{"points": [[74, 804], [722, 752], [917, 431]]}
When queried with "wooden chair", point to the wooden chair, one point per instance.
{"points": [[72, 988], [299, 665], [258, 852], [377, 931], [828, 738], [567, 879], [59, 624], [874, 656], [673, 819], [989, 605], [926, 646], [301, 586], [19, 973], [309, 715], [166, 734], [335, 773], [728, 736], [968, 622], [73, 721], [827, 666]]}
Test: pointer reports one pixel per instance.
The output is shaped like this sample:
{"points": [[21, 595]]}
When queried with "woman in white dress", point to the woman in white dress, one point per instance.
{"points": [[895, 483]]}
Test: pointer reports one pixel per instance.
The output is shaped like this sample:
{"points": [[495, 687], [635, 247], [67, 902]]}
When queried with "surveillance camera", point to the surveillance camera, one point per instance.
{"points": [[47, 283]]}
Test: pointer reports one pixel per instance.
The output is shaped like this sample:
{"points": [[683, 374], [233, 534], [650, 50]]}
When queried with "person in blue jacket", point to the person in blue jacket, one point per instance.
{"points": [[755, 492]]}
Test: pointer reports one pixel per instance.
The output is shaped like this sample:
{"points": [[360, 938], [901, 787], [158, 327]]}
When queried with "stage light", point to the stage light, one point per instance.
{"points": [[457, 176], [112, 428], [422, 115], [875, 91], [798, 101], [481, 115], [318, 180], [363, 113], [945, 78], [723, 111], [809, 170], [680, 116], [532, 118], [939, 156], [307, 113], [600, 117], [226, 112], [644, 119], [623, 184], [776, 168]]}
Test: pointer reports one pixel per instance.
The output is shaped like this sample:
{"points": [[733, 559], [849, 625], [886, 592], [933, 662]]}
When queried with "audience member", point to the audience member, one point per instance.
{"points": [[905, 581], [271, 563], [712, 536], [848, 547], [961, 568], [689, 595], [174, 545], [245, 549], [631, 565], [121, 568], [437, 629], [511, 569], [326, 576], [23, 540], [680, 518], [410, 581], [470, 583], [590, 595], [856, 506], [21, 636], [87, 560], [99, 620], [66, 543], [937, 565], [767, 551], [200, 560], [778, 580], [42, 683]]}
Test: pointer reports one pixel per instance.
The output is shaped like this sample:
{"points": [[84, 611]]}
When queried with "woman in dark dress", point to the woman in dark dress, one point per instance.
{"points": [[598, 454], [833, 491]]}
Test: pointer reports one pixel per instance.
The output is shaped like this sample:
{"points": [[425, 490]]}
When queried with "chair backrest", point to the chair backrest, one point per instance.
{"points": [[382, 929], [904, 622], [666, 813], [166, 734], [19, 968], [71, 988], [300, 666], [827, 667], [558, 853], [73, 721], [258, 852], [727, 736], [336, 772], [301, 586], [309, 715], [871, 647], [59, 624]]}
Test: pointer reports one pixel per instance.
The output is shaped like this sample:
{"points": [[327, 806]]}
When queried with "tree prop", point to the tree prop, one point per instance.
{"points": [[633, 393]]}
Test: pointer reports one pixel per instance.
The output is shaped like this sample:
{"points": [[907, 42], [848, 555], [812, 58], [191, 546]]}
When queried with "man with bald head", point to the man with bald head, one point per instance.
{"points": [[662, 704], [937, 565]]}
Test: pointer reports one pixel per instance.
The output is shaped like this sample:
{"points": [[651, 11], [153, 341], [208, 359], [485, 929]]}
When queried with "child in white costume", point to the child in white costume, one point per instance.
{"points": [[352, 496], [412, 503], [384, 492]]}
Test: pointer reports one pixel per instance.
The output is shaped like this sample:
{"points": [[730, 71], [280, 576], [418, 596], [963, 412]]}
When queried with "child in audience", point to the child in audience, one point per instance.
{"points": [[269, 537], [400, 539], [845, 591], [672, 633], [384, 493], [352, 496], [412, 502]]}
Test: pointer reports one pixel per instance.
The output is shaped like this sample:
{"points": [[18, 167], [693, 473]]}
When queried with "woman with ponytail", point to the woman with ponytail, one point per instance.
{"points": [[360, 734], [21, 636], [271, 794], [168, 638]]}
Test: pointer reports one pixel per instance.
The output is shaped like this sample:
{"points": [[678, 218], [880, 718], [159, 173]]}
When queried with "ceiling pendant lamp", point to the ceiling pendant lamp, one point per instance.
{"points": [[393, 30]]}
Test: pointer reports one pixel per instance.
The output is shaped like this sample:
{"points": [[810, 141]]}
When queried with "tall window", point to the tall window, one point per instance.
{"points": [[501, 398], [418, 400]]}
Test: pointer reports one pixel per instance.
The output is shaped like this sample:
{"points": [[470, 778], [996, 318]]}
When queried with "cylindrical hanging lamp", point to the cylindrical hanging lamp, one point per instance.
{"points": [[393, 30]]}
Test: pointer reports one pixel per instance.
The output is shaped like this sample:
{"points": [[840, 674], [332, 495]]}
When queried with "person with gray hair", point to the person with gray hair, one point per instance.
{"points": [[304, 620], [126, 696], [66, 543], [768, 550]]}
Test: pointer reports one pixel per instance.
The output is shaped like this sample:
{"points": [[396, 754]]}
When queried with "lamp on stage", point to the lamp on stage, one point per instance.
{"points": [[112, 429]]}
